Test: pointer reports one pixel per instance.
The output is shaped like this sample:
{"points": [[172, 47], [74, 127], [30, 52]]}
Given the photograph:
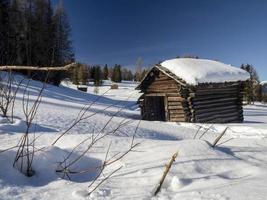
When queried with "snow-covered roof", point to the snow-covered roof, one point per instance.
{"points": [[195, 71], [263, 83]]}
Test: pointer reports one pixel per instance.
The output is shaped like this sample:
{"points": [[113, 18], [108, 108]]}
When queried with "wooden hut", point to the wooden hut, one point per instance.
{"points": [[192, 90]]}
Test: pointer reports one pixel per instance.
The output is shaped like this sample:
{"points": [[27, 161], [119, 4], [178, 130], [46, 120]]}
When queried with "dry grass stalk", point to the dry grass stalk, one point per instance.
{"points": [[219, 137], [167, 169], [26, 148], [8, 94]]}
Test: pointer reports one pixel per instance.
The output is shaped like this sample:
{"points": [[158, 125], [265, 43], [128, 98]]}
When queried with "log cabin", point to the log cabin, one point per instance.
{"points": [[193, 90]]}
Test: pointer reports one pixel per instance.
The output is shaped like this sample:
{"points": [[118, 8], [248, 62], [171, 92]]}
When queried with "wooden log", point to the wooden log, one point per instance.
{"points": [[147, 91], [164, 82], [174, 103], [175, 107], [177, 111], [165, 88], [214, 93], [219, 113], [217, 88], [177, 119], [215, 115], [176, 94], [218, 85], [177, 116], [163, 78], [213, 105], [216, 109], [179, 99], [155, 94], [233, 99], [234, 119], [215, 96], [34, 68]]}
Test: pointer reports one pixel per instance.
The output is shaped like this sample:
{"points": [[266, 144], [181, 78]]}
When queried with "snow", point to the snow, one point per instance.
{"points": [[235, 169], [195, 71], [263, 83]]}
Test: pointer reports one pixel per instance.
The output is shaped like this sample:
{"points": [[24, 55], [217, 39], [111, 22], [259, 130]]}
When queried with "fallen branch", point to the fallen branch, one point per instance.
{"points": [[33, 68], [167, 169]]}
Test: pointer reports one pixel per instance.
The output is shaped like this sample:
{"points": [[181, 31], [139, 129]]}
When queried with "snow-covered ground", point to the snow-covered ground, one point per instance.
{"points": [[236, 169]]}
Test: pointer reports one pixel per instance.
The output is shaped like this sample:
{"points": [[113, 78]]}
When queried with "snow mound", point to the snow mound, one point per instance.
{"points": [[19, 126], [45, 164], [195, 71]]}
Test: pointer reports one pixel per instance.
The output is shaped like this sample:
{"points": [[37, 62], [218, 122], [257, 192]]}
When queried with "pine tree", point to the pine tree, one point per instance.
{"points": [[250, 85], [43, 33], [110, 72], [98, 76], [105, 72], [4, 19], [62, 49], [116, 76]]}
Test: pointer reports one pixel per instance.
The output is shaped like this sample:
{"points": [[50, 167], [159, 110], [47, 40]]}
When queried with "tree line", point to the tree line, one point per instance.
{"points": [[34, 33], [84, 73]]}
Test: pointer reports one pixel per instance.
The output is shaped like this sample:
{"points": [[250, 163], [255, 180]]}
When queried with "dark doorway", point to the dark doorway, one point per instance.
{"points": [[155, 108]]}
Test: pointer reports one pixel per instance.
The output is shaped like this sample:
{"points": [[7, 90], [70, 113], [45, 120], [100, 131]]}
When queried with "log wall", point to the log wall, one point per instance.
{"points": [[217, 103]]}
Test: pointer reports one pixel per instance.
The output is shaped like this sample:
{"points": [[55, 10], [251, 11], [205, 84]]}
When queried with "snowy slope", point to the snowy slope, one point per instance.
{"points": [[195, 71], [236, 169]]}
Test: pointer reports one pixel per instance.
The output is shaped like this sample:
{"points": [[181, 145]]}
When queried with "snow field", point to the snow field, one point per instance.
{"points": [[234, 170]]}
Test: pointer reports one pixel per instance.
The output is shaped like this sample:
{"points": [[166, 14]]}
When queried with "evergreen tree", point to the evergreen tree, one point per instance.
{"points": [[62, 48], [63, 51], [92, 72], [130, 76], [110, 72], [4, 19], [116, 76], [250, 86], [105, 72], [98, 76], [43, 33]]}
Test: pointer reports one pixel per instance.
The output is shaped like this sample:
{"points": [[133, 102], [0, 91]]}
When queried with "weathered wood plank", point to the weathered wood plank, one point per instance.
{"points": [[220, 120], [215, 96], [178, 111], [215, 92], [175, 107], [216, 109], [219, 115], [234, 99], [180, 99], [174, 103], [175, 94], [148, 91], [172, 119]]}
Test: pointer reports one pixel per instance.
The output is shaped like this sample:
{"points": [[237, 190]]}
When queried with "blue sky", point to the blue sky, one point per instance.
{"points": [[120, 31]]}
